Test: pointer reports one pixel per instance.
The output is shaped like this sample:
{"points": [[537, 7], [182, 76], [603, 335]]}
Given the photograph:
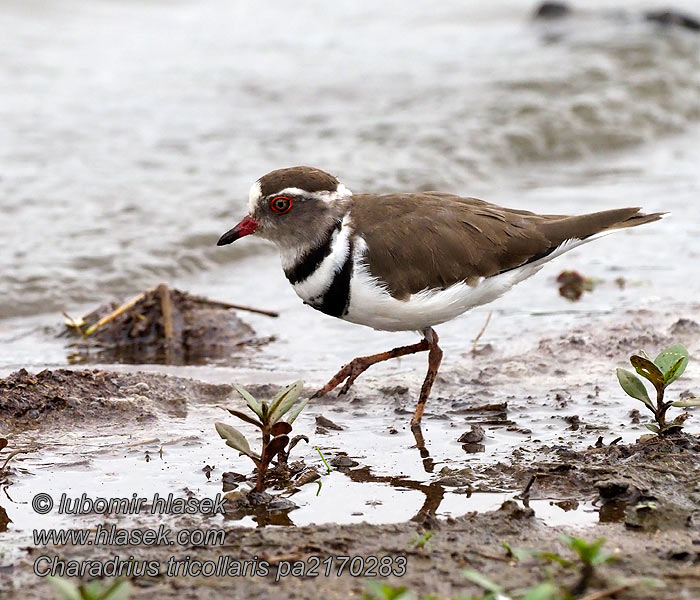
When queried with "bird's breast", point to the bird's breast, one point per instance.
{"points": [[321, 276]]}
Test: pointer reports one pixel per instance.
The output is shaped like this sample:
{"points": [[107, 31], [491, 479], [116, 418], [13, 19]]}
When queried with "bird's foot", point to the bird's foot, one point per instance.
{"points": [[348, 373]]}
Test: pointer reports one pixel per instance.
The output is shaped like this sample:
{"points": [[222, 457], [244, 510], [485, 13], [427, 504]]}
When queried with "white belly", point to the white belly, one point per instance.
{"points": [[372, 305]]}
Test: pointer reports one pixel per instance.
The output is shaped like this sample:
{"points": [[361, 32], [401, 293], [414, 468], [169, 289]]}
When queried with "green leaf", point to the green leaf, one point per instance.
{"points": [[92, 590], [483, 582], [554, 557], [544, 591], [518, 553], [382, 591], [119, 591], [676, 370], [669, 357], [589, 553], [250, 401], [67, 590], [687, 403], [652, 427], [234, 438], [284, 401], [648, 370], [634, 387], [296, 410]]}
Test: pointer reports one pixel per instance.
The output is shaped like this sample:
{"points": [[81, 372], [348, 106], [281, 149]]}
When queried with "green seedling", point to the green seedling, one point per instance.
{"points": [[328, 469], [493, 590], [93, 590], [323, 458], [661, 372], [273, 427], [382, 591], [543, 591], [590, 555], [421, 541]]}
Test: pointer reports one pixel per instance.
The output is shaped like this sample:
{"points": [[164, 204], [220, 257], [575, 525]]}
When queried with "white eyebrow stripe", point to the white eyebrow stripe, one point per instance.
{"points": [[338, 194]]}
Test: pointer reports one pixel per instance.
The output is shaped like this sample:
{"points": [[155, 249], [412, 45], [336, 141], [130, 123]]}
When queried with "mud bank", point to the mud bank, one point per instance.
{"points": [[519, 448], [472, 541]]}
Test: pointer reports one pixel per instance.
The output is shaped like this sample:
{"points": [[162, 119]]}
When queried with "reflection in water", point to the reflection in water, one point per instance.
{"points": [[613, 511], [428, 463], [434, 492]]}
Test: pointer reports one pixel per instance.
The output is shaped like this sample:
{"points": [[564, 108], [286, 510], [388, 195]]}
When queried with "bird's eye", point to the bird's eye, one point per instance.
{"points": [[281, 204]]}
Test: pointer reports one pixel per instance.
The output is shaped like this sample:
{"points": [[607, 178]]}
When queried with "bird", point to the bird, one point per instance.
{"points": [[405, 261]]}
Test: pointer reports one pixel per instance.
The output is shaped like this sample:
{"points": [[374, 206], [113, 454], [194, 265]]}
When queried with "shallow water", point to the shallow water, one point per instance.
{"points": [[132, 131]]}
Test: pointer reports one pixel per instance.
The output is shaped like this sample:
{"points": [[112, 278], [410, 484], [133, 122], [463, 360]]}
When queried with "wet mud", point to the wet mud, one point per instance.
{"points": [[518, 448], [79, 398]]}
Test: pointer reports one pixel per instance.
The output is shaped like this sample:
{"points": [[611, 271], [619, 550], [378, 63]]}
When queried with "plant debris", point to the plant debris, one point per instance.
{"points": [[162, 325]]}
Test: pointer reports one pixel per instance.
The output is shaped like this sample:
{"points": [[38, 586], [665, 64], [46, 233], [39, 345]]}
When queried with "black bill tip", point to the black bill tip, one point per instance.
{"points": [[228, 238]]}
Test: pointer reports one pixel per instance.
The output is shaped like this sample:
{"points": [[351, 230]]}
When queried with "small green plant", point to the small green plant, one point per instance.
{"points": [[323, 458], [661, 372], [273, 428], [92, 590], [383, 591], [421, 541], [590, 555], [543, 591]]}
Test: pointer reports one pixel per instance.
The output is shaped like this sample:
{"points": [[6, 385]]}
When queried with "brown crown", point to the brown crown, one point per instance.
{"points": [[304, 178]]}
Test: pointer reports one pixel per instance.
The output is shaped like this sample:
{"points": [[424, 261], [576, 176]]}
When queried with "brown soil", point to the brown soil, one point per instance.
{"points": [[473, 541], [74, 397]]}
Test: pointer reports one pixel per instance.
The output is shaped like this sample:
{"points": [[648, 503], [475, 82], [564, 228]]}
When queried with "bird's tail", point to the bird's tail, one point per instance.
{"points": [[582, 227]]}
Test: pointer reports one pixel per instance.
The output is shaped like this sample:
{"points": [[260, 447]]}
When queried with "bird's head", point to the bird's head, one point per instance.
{"points": [[292, 207]]}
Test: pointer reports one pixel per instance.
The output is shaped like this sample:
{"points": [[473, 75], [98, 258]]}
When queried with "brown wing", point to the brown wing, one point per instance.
{"points": [[434, 240]]}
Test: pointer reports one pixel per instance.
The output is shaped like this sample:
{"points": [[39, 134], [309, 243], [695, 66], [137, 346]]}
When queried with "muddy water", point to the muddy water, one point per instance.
{"points": [[133, 131]]}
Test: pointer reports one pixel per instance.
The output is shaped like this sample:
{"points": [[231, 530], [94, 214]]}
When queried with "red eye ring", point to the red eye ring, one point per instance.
{"points": [[281, 207]]}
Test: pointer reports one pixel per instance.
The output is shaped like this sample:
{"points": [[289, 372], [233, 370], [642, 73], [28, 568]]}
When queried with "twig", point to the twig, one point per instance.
{"points": [[114, 314], [166, 307], [610, 591], [268, 313], [526, 492], [478, 335], [73, 324], [12, 455]]}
